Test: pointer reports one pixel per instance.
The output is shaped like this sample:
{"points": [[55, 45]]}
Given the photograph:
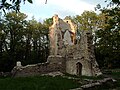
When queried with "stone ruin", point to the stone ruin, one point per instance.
{"points": [[79, 55], [67, 54]]}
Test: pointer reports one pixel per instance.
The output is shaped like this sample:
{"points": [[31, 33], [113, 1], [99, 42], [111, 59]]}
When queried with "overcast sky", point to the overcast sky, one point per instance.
{"points": [[63, 8]]}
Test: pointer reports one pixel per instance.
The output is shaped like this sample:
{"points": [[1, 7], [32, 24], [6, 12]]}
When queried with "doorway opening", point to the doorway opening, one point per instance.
{"points": [[79, 69]]}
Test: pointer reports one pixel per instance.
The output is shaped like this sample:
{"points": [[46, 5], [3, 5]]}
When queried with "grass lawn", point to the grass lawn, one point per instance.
{"points": [[116, 75], [52, 83], [37, 83]]}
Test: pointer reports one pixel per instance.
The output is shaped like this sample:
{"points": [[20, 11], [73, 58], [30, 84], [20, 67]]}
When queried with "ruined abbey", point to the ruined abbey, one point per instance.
{"points": [[67, 53]]}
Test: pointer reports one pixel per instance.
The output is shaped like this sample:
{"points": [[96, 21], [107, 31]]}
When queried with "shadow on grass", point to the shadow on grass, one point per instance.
{"points": [[37, 83]]}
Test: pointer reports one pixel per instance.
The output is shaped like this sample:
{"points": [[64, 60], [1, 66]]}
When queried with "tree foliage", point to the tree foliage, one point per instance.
{"points": [[108, 35], [87, 20], [108, 45], [12, 4], [22, 40]]}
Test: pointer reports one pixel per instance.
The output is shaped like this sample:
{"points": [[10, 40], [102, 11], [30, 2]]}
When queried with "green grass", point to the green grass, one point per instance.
{"points": [[116, 76], [37, 83], [85, 77], [51, 83]]}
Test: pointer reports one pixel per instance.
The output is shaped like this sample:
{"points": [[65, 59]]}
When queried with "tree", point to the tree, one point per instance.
{"points": [[107, 46], [87, 20], [22, 40], [115, 2], [108, 38], [36, 42], [13, 25], [12, 4]]}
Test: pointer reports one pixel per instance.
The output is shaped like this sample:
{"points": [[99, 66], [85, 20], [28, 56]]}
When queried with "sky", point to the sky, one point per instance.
{"points": [[63, 8]]}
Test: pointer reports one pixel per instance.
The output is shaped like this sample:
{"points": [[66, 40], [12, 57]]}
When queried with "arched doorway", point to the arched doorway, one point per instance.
{"points": [[79, 68]]}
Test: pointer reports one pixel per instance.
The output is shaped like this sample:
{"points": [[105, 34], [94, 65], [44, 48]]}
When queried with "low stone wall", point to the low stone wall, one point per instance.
{"points": [[55, 63], [29, 70]]}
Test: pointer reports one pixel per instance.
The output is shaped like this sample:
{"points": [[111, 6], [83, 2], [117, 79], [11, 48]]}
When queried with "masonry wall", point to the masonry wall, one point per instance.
{"points": [[71, 67], [82, 52], [54, 64]]}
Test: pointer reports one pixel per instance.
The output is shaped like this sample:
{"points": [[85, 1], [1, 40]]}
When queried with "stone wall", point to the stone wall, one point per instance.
{"points": [[83, 53], [55, 63], [61, 34]]}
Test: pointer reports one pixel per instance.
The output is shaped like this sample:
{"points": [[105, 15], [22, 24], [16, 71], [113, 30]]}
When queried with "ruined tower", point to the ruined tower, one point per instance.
{"points": [[76, 58], [66, 55], [61, 34]]}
